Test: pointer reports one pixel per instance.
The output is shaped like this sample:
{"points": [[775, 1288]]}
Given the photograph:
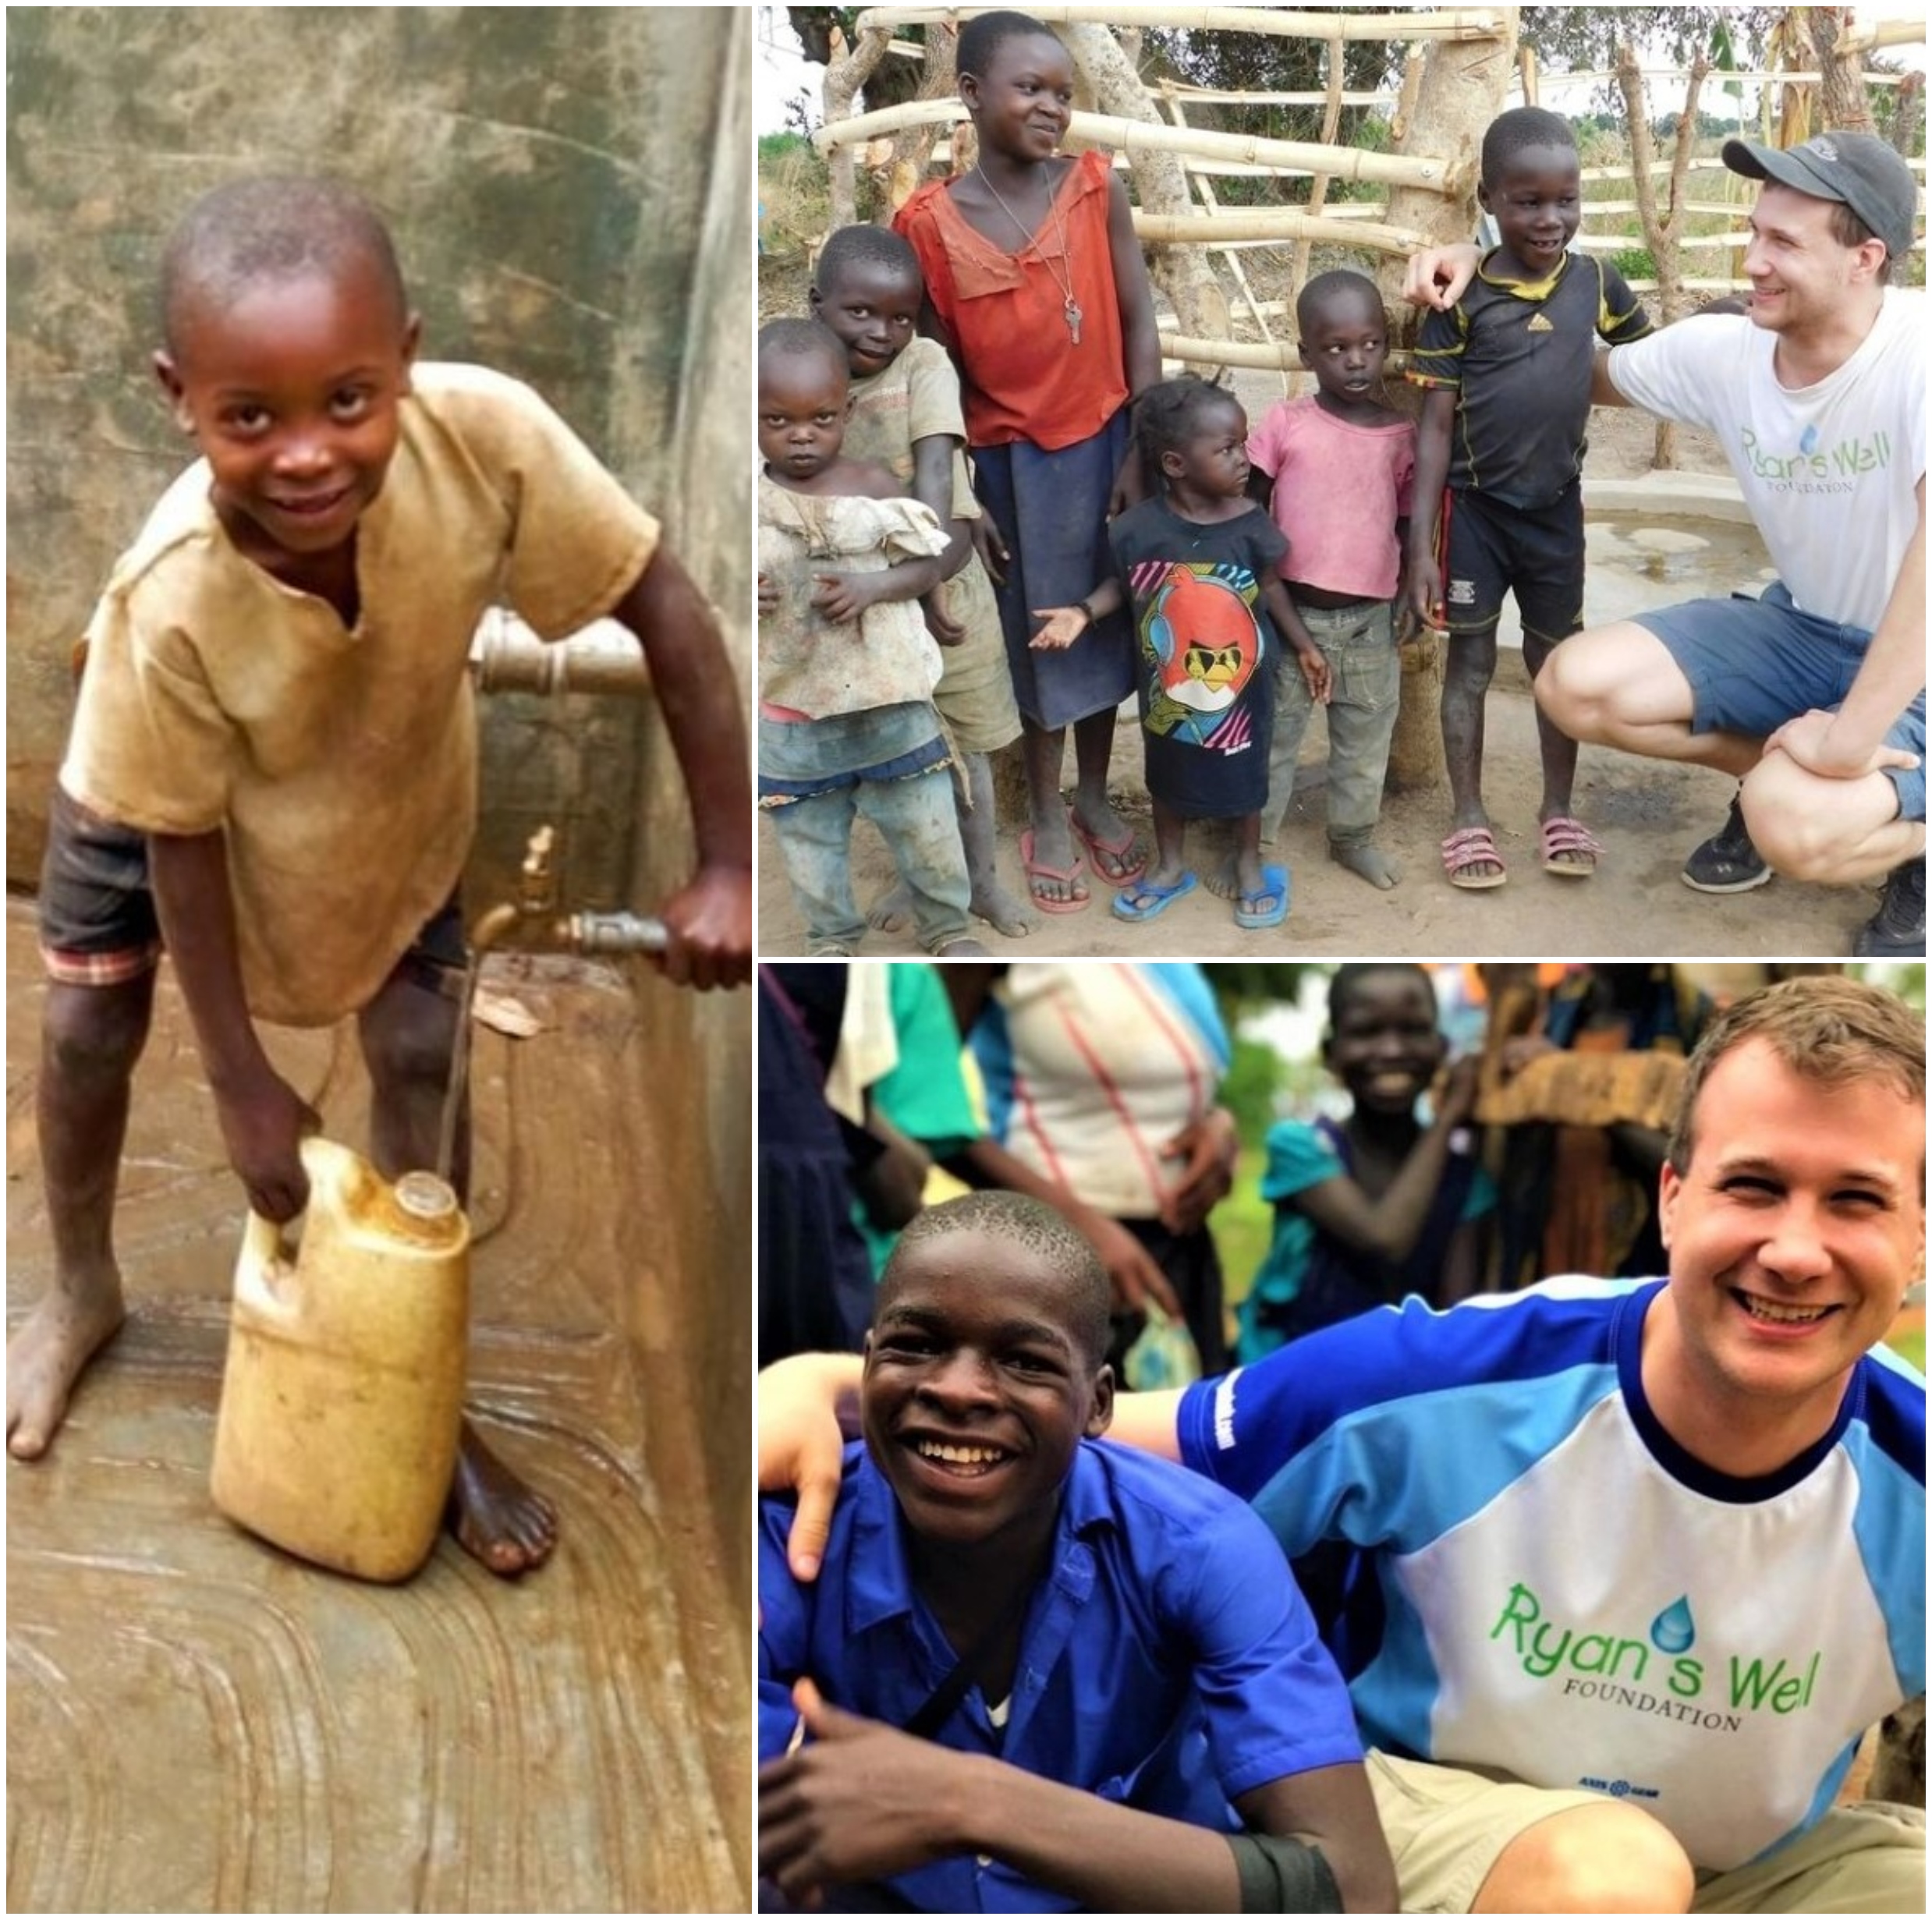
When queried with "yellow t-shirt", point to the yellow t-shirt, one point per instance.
{"points": [[341, 763]]}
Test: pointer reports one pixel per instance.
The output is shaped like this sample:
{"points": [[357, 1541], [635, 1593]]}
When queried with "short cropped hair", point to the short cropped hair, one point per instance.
{"points": [[1829, 1030], [802, 339], [865, 246], [1522, 127], [985, 33], [1327, 291], [1023, 1221], [1849, 231], [271, 228], [1347, 978]]}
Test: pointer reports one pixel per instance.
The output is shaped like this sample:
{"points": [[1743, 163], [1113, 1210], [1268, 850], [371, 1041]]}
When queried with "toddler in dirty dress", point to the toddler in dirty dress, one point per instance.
{"points": [[846, 667], [273, 765]]}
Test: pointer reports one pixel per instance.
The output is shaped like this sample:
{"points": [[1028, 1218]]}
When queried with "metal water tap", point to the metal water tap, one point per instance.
{"points": [[533, 919], [536, 881], [536, 901]]}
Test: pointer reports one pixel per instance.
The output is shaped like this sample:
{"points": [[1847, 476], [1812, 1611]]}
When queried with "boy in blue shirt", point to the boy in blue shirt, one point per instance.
{"points": [[1508, 373], [1098, 1658]]}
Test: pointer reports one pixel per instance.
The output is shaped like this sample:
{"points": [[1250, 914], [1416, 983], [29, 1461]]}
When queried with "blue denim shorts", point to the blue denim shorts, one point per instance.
{"points": [[1752, 664]]}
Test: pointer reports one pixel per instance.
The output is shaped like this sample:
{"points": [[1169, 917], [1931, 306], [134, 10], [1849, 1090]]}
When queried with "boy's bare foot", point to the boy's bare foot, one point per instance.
{"points": [[509, 1527], [1366, 859], [49, 1353], [1001, 911], [891, 912]]}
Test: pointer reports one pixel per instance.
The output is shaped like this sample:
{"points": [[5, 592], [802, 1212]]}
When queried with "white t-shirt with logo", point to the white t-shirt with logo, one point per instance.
{"points": [[1828, 471], [1570, 1598]]}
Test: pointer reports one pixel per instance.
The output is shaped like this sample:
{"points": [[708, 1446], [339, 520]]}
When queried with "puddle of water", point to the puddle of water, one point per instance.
{"points": [[1633, 563]]}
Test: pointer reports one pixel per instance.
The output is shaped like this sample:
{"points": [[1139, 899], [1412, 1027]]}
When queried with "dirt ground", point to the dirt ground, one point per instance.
{"points": [[1648, 815]]}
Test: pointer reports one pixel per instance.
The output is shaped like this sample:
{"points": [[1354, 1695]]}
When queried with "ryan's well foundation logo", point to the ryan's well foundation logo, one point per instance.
{"points": [[1656, 1672]]}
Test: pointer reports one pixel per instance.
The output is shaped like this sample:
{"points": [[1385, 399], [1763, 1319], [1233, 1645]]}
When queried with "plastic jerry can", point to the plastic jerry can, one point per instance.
{"points": [[342, 1402]]}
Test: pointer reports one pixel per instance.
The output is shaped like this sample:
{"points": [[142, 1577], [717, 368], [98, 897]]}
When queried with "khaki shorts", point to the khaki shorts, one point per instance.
{"points": [[1448, 1826], [975, 693]]}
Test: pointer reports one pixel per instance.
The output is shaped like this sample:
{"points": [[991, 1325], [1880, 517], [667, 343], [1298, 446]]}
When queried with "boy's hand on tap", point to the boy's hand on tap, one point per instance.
{"points": [[708, 925]]}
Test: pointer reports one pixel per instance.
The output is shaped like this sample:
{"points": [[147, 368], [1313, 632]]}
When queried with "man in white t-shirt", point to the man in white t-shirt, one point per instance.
{"points": [[1814, 695]]}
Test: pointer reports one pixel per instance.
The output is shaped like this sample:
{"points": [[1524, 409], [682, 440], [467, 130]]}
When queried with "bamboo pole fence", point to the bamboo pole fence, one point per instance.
{"points": [[1442, 23], [1208, 155], [1104, 129]]}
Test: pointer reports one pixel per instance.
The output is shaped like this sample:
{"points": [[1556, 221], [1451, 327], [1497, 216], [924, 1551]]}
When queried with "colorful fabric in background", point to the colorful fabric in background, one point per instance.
{"points": [[1090, 1071], [923, 1093], [1572, 1202]]}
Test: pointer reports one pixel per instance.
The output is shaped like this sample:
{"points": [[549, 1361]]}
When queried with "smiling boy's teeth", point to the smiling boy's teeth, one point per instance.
{"points": [[1770, 1310], [959, 1456]]}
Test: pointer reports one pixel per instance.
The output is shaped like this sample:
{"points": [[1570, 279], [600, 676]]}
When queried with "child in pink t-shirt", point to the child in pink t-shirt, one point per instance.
{"points": [[1334, 470]]}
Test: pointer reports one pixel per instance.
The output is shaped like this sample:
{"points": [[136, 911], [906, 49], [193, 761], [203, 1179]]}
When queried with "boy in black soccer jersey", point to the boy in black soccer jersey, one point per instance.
{"points": [[1508, 373]]}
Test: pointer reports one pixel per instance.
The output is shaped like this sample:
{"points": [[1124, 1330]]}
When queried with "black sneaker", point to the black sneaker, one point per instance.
{"points": [[1727, 862], [1897, 931]]}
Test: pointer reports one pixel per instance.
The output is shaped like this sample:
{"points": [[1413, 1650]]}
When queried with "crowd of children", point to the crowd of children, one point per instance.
{"points": [[1120, 532]]}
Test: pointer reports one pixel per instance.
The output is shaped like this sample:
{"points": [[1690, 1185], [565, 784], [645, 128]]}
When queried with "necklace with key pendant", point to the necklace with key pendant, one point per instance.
{"points": [[1070, 307]]}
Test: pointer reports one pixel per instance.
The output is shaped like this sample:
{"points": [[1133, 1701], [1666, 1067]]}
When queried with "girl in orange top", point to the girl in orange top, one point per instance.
{"points": [[1035, 284]]}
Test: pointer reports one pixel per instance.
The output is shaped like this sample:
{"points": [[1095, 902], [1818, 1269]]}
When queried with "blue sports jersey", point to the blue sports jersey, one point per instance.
{"points": [[1166, 1662], [1571, 1597]]}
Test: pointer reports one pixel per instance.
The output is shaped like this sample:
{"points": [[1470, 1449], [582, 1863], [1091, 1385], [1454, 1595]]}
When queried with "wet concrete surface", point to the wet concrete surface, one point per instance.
{"points": [[197, 1722]]}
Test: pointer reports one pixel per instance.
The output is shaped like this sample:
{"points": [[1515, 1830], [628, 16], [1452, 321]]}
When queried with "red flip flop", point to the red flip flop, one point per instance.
{"points": [[1110, 857], [1038, 870]]}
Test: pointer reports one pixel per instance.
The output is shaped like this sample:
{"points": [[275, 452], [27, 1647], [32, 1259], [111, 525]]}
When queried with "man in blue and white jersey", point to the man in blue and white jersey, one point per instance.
{"points": [[1650, 1555]]}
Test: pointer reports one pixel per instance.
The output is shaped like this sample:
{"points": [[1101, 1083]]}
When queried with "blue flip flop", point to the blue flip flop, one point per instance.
{"points": [[1138, 900], [1274, 886]]}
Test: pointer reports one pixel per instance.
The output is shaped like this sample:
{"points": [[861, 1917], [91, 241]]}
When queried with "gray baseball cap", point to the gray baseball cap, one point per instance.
{"points": [[1859, 169]]}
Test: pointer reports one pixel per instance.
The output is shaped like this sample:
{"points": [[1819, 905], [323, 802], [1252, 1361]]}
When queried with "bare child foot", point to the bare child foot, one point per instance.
{"points": [[997, 906], [510, 1527], [1365, 858], [891, 912], [49, 1353]]}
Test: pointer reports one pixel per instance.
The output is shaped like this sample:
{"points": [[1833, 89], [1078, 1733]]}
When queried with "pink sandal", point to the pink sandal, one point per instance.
{"points": [[1468, 848], [1564, 836]]}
